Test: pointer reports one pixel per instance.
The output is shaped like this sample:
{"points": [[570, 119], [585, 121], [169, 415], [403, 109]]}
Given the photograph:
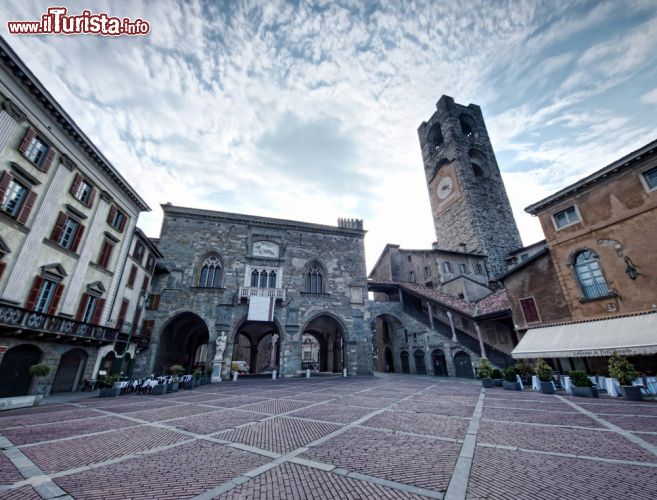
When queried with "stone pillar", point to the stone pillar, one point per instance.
{"points": [[449, 360], [451, 325], [118, 268], [7, 126], [430, 310], [253, 358], [481, 341], [272, 355]]}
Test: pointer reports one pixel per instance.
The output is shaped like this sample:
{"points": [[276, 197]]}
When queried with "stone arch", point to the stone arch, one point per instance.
{"points": [[478, 162], [263, 352], [420, 363], [14, 368], [467, 125], [439, 363], [69, 371], [332, 335], [463, 364], [435, 137], [405, 365], [387, 327], [179, 338]]}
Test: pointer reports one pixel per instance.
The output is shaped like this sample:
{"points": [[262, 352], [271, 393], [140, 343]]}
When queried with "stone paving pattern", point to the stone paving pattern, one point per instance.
{"points": [[355, 438]]}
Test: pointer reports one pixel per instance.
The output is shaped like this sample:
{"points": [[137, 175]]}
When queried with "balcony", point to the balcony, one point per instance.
{"points": [[277, 293], [37, 326], [19, 322]]}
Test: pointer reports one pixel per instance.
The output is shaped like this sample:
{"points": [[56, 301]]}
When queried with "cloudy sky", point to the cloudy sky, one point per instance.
{"points": [[309, 110]]}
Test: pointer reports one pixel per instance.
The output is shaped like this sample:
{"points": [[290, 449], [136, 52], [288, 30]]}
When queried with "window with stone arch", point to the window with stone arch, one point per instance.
{"points": [[210, 275], [315, 278], [589, 274]]}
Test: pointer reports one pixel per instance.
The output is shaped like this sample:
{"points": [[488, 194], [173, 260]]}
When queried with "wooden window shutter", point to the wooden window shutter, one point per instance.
{"points": [[112, 214], [92, 197], [59, 226], [122, 312], [76, 185], [155, 301], [34, 293], [105, 254], [50, 156], [123, 221], [55, 300], [27, 207], [529, 310], [78, 236], [29, 135], [144, 284], [147, 327], [4, 184], [83, 304], [132, 276], [100, 305]]}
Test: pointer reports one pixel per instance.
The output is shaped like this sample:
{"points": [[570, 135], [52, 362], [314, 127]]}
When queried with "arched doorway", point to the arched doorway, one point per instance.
{"points": [[70, 370], [439, 363], [108, 363], [14, 370], [386, 328], [406, 368], [310, 350], [420, 365], [329, 335], [256, 345], [390, 365], [179, 343], [463, 365]]}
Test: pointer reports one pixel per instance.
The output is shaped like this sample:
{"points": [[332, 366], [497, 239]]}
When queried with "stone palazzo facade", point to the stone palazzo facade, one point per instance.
{"points": [[264, 283]]}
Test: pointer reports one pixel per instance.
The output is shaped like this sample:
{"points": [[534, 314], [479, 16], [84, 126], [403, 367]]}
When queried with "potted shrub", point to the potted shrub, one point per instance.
{"points": [[497, 377], [582, 386], [484, 373], [511, 380], [623, 371], [108, 386], [197, 377], [176, 371], [544, 374], [37, 371], [159, 389], [525, 370]]}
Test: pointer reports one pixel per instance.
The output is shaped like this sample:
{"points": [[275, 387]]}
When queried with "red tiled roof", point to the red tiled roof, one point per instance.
{"points": [[498, 301]]}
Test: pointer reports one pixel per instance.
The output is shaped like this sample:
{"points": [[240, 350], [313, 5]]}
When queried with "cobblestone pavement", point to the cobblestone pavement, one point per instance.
{"points": [[356, 438]]}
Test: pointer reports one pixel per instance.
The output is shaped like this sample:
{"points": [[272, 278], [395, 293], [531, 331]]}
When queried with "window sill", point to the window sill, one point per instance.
{"points": [[9, 220], [610, 295], [320, 294], [57, 246]]}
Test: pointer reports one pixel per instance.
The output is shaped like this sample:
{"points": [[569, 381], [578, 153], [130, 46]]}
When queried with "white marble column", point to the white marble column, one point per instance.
{"points": [[118, 269], [481, 340], [7, 126], [42, 224]]}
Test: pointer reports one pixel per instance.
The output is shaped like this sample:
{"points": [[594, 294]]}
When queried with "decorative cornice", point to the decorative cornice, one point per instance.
{"points": [[75, 211], [105, 196], [24, 174], [14, 111], [68, 163], [111, 237]]}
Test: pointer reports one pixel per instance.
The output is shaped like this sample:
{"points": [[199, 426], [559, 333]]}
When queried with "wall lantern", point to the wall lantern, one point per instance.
{"points": [[630, 270]]}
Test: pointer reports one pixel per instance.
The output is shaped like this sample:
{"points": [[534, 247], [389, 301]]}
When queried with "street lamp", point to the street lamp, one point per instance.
{"points": [[630, 270]]}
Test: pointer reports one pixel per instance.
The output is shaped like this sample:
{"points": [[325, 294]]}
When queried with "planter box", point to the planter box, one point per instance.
{"points": [[205, 381], [497, 382], [173, 387], [548, 388], [14, 402], [632, 392], [111, 392], [585, 392], [511, 386], [487, 383], [159, 389], [189, 385], [197, 382]]}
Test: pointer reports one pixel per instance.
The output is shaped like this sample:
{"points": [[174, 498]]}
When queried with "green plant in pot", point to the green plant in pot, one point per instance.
{"points": [[544, 373], [622, 370], [497, 377], [525, 370], [485, 371], [511, 380], [108, 387], [176, 371], [196, 376], [38, 371], [582, 386]]}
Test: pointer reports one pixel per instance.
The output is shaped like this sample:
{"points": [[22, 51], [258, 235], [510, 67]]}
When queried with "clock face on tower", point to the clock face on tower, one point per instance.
{"points": [[445, 186]]}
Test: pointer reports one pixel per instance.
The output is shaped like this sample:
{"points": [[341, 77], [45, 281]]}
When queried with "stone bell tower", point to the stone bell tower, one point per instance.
{"points": [[469, 203]]}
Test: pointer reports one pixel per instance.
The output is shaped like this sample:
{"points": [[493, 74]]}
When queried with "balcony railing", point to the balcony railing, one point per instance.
{"points": [[277, 293], [29, 321], [595, 291], [129, 329]]}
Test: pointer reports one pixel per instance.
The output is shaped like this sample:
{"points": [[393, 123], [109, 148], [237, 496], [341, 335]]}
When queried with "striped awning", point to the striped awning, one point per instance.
{"points": [[626, 335]]}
